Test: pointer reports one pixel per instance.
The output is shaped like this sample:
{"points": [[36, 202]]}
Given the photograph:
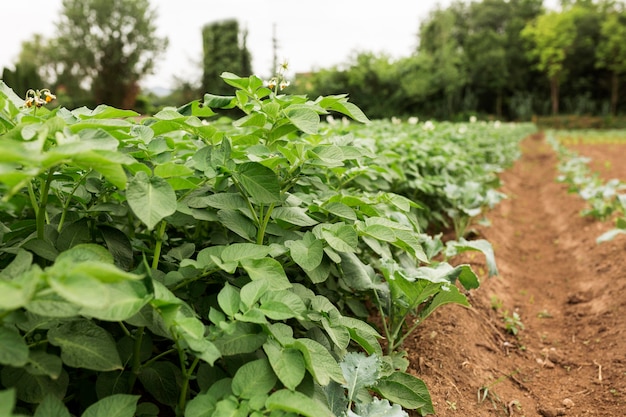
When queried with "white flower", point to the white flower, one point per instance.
{"points": [[473, 119], [462, 129], [428, 125], [330, 119], [413, 120], [496, 124], [345, 121]]}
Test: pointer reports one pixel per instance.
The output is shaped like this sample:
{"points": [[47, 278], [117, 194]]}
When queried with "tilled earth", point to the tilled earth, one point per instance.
{"points": [[564, 295]]}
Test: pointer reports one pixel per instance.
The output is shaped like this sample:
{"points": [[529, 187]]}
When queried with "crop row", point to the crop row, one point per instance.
{"points": [[175, 265], [605, 199]]}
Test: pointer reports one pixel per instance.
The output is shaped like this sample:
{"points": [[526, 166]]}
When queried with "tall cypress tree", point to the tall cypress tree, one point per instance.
{"points": [[225, 49]]}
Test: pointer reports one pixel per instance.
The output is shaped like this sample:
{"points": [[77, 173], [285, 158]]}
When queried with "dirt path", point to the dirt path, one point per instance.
{"points": [[569, 355]]}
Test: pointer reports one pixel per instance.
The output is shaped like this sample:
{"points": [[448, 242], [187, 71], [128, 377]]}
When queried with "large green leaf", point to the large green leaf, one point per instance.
{"points": [[34, 388], [162, 379], [52, 407], [297, 402], [320, 363], [268, 269], [308, 252], [151, 199], [85, 345], [259, 182], [304, 118], [254, 378], [406, 390], [360, 372], [117, 405], [13, 348], [287, 363]]}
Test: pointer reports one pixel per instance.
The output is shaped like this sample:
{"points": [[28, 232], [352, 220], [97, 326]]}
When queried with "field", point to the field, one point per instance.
{"points": [[568, 291], [303, 260]]}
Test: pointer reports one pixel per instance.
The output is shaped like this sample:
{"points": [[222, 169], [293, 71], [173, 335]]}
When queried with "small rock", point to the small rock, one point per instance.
{"points": [[568, 403], [551, 412]]}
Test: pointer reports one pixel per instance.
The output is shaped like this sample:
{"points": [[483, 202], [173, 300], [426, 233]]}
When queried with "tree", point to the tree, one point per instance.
{"points": [[551, 36], [486, 49], [108, 45], [225, 49], [440, 37], [611, 52]]}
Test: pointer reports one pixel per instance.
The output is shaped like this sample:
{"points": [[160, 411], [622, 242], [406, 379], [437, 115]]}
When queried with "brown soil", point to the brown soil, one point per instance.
{"points": [[569, 358]]}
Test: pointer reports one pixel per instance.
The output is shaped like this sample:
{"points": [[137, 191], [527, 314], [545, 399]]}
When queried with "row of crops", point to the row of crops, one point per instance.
{"points": [[604, 199], [192, 265]]}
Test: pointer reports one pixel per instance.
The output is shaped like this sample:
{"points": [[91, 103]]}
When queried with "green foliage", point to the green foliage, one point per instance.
{"points": [[108, 44], [222, 266]]}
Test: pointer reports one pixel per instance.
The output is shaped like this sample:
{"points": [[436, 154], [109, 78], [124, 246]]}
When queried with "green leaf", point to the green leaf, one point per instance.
{"points": [[117, 405], [245, 338], [151, 199], [51, 406], [282, 305], [319, 362], [43, 363], [162, 380], [118, 244], [86, 252], [237, 223], [293, 215], [408, 391], [126, 298], [308, 252], [221, 102], [252, 292], [197, 109], [240, 251], [13, 348], [288, 364], [356, 274], [297, 402], [254, 378], [364, 334], [103, 111], [85, 345], [260, 182], [449, 294], [360, 372], [228, 300], [340, 210], [304, 118], [379, 408], [340, 236], [480, 245], [268, 269], [34, 388], [202, 405]]}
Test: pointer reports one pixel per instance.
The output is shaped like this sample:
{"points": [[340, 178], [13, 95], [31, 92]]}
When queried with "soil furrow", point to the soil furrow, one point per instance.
{"points": [[562, 295]]}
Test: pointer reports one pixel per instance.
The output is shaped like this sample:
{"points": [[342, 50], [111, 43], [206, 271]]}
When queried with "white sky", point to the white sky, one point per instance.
{"points": [[311, 34]]}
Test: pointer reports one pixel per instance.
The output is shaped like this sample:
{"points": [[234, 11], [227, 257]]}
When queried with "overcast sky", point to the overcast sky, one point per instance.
{"points": [[311, 34]]}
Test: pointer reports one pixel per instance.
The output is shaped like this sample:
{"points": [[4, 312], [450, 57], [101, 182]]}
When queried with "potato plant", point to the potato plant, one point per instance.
{"points": [[192, 265]]}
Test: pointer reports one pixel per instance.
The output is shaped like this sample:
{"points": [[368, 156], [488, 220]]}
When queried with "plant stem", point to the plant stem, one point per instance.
{"points": [[158, 245], [383, 319], [136, 359], [182, 402], [266, 219], [69, 199], [41, 212]]}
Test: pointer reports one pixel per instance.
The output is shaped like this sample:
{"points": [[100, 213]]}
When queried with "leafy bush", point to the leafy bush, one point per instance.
{"points": [[179, 266]]}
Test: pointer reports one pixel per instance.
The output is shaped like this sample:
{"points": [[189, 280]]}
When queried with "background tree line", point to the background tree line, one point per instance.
{"points": [[508, 59]]}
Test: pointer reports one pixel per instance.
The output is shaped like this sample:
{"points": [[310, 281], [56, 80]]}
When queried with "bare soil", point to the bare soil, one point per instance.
{"points": [[568, 357]]}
